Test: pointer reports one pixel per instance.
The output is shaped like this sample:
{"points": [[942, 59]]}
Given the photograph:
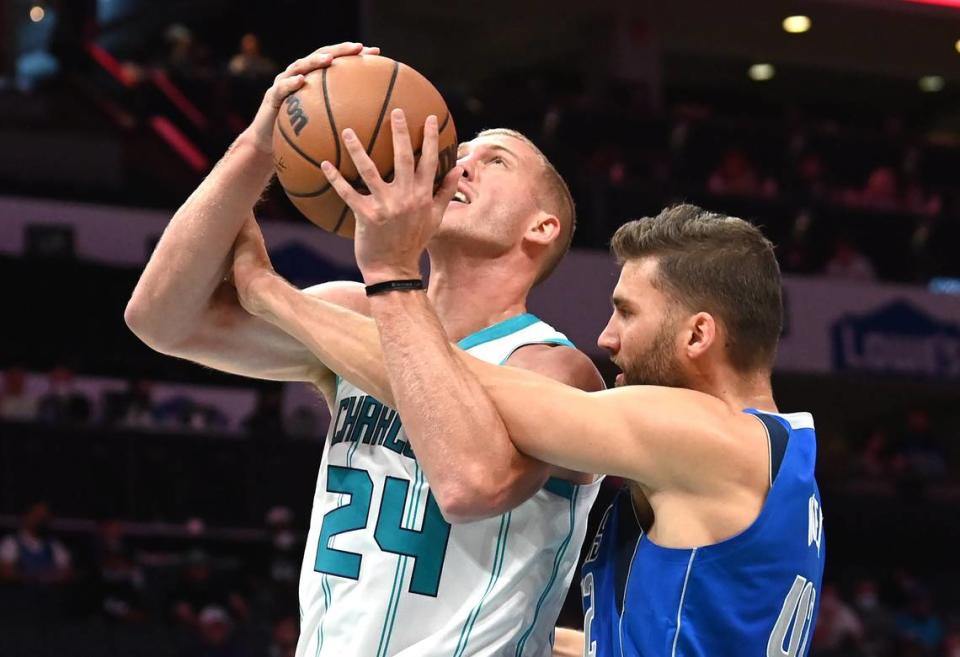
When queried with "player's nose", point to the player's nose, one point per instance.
{"points": [[468, 163], [609, 340]]}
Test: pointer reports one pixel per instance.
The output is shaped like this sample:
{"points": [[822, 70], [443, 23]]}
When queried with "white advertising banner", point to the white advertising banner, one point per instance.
{"points": [[831, 325]]}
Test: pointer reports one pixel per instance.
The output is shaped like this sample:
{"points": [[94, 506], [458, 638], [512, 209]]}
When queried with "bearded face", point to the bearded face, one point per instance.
{"points": [[655, 364], [643, 333]]}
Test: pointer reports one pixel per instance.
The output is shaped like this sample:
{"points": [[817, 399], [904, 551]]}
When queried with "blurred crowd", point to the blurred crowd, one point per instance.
{"points": [[857, 197], [64, 402], [844, 190], [237, 602], [792, 172], [903, 456], [900, 617]]}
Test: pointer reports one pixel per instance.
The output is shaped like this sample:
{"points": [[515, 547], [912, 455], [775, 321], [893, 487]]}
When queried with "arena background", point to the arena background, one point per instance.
{"points": [[181, 496]]}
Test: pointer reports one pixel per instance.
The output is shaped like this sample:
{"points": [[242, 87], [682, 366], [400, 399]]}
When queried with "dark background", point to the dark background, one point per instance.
{"points": [[182, 530]]}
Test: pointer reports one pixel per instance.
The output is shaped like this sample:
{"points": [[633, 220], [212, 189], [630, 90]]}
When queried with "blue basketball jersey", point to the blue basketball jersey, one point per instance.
{"points": [[753, 595]]}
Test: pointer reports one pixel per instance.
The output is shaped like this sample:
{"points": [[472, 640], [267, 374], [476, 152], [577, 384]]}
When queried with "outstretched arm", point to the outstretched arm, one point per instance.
{"points": [[473, 468], [181, 305], [653, 435]]}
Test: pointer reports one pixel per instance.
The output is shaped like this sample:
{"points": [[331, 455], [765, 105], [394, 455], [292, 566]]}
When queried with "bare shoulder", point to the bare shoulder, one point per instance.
{"points": [[559, 362], [566, 365], [349, 294]]}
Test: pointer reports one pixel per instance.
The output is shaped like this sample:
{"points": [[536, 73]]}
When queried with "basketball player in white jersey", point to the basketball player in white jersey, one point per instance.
{"points": [[416, 546]]}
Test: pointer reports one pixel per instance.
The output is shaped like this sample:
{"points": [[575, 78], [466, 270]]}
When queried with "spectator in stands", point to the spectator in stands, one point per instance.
{"points": [[32, 556], [121, 578], [918, 624], [63, 403], [877, 622], [796, 251], [198, 589], [267, 417], [921, 457], [809, 182], [15, 404], [951, 644], [250, 62], [186, 58], [839, 630], [737, 176], [874, 459], [881, 191], [849, 263], [286, 555], [916, 199], [284, 643], [215, 635], [134, 407]]}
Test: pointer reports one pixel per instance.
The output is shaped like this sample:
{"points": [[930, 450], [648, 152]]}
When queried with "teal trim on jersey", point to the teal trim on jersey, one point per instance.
{"points": [[399, 574], [325, 586], [498, 330], [553, 575], [391, 614], [561, 487], [494, 576], [325, 583]]}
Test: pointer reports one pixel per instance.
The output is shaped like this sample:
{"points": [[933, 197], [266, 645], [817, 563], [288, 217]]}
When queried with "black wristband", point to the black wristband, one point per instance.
{"points": [[390, 286]]}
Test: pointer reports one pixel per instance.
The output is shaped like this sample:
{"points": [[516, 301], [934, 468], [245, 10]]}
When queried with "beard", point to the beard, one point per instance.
{"points": [[658, 364]]}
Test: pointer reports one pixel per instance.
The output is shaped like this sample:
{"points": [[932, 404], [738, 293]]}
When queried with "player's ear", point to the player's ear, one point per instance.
{"points": [[544, 229], [702, 334]]}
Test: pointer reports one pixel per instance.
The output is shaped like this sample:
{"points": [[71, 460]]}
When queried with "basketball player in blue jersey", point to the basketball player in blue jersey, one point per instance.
{"points": [[413, 548], [731, 564]]}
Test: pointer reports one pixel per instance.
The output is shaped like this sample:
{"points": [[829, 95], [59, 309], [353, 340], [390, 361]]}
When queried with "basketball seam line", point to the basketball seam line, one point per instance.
{"points": [[383, 108], [373, 138], [333, 122], [309, 159], [336, 142]]}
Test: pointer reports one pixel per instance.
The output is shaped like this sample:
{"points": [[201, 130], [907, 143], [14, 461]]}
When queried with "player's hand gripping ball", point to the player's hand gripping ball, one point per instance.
{"points": [[355, 92]]}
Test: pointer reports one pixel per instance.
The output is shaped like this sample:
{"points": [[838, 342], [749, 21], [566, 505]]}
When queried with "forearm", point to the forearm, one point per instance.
{"points": [[539, 419], [453, 425], [343, 340], [192, 256], [567, 643]]}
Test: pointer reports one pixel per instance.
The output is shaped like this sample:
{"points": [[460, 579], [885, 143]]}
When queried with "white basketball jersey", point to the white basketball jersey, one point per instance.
{"points": [[384, 574]]}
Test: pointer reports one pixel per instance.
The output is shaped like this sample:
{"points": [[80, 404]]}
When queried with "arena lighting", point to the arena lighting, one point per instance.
{"points": [[37, 13], [930, 83], [955, 4], [957, 45], [761, 72], [796, 24]]}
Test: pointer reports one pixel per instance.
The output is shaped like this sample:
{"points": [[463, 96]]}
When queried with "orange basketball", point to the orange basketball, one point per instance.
{"points": [[357, 92]]}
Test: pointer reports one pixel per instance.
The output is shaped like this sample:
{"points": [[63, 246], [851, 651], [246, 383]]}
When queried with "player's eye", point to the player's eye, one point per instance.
{"points": [[496, 159]]}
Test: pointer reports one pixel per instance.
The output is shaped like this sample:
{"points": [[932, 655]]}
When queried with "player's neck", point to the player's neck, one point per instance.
{"points": [[738, 391], [471, 293]]}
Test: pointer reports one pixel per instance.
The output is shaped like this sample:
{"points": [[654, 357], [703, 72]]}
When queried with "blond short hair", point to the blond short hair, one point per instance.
{"points": [[554, 197]]}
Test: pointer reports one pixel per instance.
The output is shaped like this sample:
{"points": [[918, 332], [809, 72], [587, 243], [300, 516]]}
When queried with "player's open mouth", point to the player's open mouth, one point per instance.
{"points": [[460, 197]]}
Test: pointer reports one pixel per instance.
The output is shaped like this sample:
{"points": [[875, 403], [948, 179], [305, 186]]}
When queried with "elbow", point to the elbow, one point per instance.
{"points": [[146, 326], [468, 501]]}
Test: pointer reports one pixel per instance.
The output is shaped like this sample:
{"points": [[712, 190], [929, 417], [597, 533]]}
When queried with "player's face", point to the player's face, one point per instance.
{"points": [[496, 196], [642, 335]]}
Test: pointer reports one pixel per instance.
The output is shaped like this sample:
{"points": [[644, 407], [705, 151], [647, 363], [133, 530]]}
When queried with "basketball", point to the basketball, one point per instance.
{"points": [[357, 92]]}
